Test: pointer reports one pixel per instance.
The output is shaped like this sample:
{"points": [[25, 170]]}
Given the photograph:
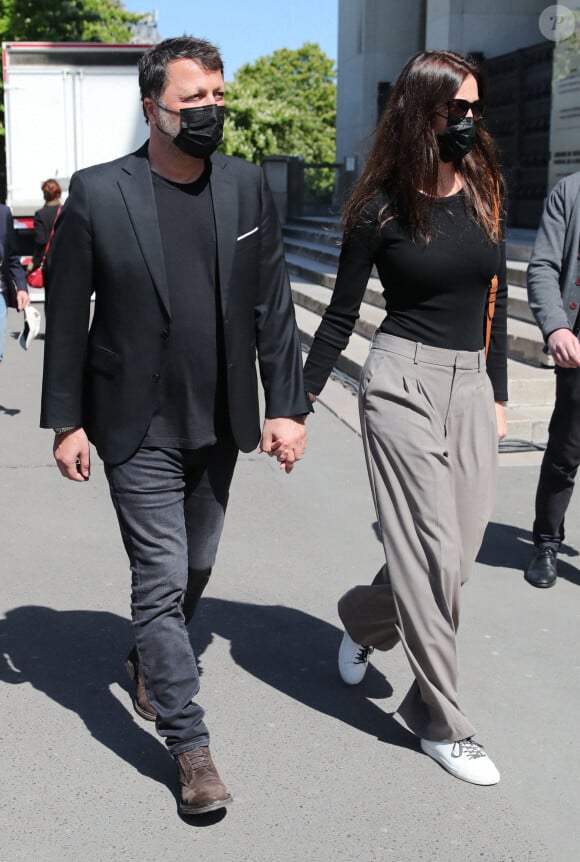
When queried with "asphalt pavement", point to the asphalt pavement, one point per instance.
{"points": [[318, 771]]}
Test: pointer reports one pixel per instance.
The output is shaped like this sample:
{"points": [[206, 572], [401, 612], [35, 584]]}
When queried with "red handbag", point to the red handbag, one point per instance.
{"points": [[36, 277]]}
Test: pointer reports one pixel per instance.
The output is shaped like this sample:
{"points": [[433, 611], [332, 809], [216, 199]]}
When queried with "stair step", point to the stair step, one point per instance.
{"points": [[315, 298], [528, 424], [322, 235], [518, 305], [351, 360], [326, 254], [517, 271], [519, 243], [525, 342], [311, 270], [530, 386]]}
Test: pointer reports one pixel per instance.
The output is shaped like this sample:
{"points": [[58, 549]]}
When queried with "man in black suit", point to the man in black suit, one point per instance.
{"points": [[182, 248]]}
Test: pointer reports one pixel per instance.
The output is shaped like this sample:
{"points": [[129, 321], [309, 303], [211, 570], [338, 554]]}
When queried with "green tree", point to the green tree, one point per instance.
{"points": [[284, 104], [65, 21]]}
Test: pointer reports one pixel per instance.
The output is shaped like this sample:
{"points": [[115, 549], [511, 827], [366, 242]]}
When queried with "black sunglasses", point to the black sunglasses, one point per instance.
{"points": [[457, 109]]}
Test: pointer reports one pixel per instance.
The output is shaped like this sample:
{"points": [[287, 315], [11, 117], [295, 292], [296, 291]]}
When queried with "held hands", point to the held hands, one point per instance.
{"points": [[71, 453], [284, 439], [564, 347]]}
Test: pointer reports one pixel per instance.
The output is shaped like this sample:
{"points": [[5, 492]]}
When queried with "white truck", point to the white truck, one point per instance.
{"points": [[67, 106]]}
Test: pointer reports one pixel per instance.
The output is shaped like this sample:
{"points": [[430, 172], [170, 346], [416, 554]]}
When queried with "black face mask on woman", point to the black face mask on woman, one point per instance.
{"points": [[457, 140], [201, 129]]}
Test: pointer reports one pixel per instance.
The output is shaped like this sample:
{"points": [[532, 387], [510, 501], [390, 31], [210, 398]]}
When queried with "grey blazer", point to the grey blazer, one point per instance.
{"points": [[554, 270]]}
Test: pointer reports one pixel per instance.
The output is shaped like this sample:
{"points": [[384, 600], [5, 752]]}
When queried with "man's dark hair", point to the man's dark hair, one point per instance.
{"points": [[154, 62]]}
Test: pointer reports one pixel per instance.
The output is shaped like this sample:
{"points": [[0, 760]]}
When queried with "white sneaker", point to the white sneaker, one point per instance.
{"points": [[353, 660], [31, 326], [464, 759]]}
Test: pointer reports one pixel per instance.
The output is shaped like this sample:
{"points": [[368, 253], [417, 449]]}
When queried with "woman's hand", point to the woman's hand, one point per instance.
{"points": [[500, 419]]}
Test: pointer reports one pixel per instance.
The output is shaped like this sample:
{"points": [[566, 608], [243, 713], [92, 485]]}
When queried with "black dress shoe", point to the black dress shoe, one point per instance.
{"points": [[542, 571]]}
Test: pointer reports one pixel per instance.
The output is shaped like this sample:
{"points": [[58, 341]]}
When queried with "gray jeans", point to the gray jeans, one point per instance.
{"points": [[171, 504]]}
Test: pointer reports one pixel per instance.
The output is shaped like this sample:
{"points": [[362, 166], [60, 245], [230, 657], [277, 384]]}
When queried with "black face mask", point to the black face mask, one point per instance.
{"points": [[201, 129], [457, 140]]}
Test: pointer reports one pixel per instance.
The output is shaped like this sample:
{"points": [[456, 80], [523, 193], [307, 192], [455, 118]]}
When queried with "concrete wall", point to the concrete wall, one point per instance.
{"points": [[493, 27], [377, 37]]}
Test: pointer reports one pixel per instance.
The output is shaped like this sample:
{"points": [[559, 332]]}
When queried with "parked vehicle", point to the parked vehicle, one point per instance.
{"points": [[67, 106]]}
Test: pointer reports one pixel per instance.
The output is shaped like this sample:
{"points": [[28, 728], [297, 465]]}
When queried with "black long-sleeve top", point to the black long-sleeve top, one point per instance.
{"points": [[435, 292], [43, 221]]}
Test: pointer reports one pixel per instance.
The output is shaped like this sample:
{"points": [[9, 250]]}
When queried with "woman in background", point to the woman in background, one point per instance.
{"points": [[427, 213], [13, 287], [44, 220]]}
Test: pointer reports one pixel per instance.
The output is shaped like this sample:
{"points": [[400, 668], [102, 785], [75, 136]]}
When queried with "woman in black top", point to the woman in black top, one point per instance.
{"points": [[426, 213], [44, 220]]}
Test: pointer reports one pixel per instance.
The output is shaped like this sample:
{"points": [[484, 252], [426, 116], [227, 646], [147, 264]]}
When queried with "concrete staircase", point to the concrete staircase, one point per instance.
{"points": [[312, 252]]}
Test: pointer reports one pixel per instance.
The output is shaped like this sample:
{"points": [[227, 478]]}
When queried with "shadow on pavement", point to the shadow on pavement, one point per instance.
{"points": [[506, 546], [75, 656], [295, 653], [10, 411]]}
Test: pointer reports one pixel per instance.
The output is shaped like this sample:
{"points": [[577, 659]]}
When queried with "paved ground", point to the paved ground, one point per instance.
{"points": [[318, 771]]}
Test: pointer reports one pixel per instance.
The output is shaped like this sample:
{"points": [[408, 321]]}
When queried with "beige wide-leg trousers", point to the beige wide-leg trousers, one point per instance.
{"points": [[430, 438]]}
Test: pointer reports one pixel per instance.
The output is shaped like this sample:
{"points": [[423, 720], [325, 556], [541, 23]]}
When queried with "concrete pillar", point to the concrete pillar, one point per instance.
{"points": [[375, 39]]}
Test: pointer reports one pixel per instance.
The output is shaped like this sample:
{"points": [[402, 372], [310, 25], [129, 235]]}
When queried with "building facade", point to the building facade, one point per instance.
{"points": [[377, 37]]}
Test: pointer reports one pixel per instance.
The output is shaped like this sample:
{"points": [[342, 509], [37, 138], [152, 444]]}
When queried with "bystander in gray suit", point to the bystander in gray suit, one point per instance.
{"points": [[554, 297]]}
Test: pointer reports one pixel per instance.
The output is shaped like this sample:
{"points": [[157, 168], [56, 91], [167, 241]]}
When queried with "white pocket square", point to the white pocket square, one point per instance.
{"points": [[249, 233]]}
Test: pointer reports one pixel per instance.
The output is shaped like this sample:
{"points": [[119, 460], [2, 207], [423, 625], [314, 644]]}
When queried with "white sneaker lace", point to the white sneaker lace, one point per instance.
{"points": [[472, 750]]}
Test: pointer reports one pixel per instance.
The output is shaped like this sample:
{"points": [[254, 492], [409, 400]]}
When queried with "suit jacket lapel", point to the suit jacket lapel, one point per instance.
{"points": [[224, 193], [137, 190]]}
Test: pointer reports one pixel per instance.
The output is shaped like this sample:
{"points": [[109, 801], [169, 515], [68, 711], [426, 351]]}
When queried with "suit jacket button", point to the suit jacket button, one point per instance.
{"points": [[156, 377], [165, 333]]}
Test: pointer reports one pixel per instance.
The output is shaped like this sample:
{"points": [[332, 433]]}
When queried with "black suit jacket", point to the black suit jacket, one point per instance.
{"points": [[107, 241]]}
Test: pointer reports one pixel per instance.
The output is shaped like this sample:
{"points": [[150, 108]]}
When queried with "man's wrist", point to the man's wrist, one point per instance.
{"points": [[65, 429]]}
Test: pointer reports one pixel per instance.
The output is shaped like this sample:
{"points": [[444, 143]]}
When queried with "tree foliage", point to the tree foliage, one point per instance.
{"points": [[284, 104], [65, 21]]}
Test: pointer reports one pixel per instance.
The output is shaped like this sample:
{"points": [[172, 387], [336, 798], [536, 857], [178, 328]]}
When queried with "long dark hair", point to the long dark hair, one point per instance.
{"points": [[404, 158]]}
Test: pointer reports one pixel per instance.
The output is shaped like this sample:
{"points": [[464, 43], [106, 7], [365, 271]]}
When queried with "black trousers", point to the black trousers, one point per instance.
{"points": [[560, 462]]}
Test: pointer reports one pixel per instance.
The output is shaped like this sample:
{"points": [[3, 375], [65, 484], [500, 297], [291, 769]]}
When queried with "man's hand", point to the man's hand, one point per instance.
{"points": [[564, 347], [285, 439], [22, 299], [71, 453], [501, 420]]}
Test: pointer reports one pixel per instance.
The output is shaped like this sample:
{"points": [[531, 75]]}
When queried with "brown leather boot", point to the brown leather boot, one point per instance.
{"points": [[202, 790], [140, 703]]}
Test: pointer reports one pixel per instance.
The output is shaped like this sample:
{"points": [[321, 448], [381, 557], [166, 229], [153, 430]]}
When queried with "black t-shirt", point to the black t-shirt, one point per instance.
{"points": [[191, 410], [435, 293]]}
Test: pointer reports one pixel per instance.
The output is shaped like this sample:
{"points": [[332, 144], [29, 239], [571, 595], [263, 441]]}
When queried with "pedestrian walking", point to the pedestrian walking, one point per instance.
{"points": [[554, 296], [13, 287], [427, 213], [182, 248]]}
